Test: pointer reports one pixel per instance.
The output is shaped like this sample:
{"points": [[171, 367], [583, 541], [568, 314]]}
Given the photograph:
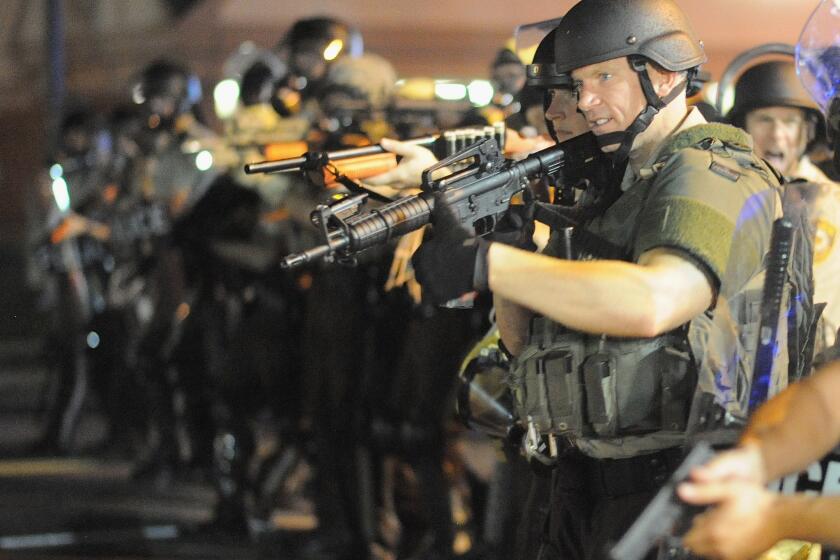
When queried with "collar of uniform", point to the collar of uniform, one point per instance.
{"points": [[810, 172], [692, 118]]}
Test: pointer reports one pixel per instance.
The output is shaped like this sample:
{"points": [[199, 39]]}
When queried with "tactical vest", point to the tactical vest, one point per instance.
{"points": [[621, 397]]}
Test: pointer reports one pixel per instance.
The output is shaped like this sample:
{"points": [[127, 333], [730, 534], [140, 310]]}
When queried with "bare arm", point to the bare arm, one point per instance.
{"points": [[762, 518], [512, 320], [790, 431], [810, 518], [661, 292], [807, 407]]}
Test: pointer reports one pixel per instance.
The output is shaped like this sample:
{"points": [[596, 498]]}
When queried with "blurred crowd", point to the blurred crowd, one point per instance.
{"points": [[325, 392]]}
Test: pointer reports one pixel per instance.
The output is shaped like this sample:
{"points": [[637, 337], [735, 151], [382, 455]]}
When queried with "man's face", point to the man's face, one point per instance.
{"points": [[780, 135], [307, 60], [563, 114], [609, 95], [510, 78]]}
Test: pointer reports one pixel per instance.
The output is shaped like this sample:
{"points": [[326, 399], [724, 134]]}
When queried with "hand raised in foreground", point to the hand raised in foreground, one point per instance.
{"points": [[408, 173]]}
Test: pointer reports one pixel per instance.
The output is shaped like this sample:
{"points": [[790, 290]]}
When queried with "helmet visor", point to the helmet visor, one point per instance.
{"points": [[818, 53], [529, 35]]}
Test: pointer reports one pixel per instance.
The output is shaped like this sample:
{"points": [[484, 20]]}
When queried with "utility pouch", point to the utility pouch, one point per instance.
{"points": [[637, 386], [546, 381], [677, 384], [599, 374]]}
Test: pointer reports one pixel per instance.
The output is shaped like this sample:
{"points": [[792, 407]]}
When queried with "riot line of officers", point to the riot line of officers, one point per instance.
{"points": [[157, 261], [326, 391]]}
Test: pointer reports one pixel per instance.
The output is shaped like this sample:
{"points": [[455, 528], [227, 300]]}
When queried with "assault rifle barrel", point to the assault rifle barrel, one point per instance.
{"points": [[312, 160]]}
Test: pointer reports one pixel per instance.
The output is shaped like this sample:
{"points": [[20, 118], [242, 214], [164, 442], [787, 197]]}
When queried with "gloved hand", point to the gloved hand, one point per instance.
{"points": [[516, 226], [451, 262]]}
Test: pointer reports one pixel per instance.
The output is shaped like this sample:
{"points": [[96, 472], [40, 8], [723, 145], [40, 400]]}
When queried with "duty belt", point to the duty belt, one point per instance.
{"points": [[619, 477]]}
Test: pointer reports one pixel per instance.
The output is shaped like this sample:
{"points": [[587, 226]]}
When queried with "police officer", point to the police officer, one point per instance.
{"points": [[168, 95], [354, 98], [174, 173], [508, 79], [310, 46], [784, 122], [518, 497], [645, 326], [68, 247]]}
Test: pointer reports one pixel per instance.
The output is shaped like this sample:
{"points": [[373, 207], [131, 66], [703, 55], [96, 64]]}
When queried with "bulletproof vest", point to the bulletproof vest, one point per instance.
{"points": [[622, 397]]}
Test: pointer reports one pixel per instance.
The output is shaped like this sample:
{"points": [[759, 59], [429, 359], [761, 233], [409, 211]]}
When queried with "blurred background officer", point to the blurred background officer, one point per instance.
{"points": [[172, 176], [73, 261], [785, 124], [508, 78], [310, 46], [354, 99]]}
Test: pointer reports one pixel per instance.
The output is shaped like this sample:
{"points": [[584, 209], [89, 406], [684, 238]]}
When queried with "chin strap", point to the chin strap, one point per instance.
{"points": [[654, 104]]}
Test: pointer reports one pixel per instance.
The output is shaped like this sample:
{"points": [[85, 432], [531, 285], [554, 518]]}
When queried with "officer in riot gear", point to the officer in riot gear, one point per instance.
{"points": [[339, 367], [508, 79], [69, 251], [785, 124], [771, 85], [633, 347], [354, 97], [175, 171], [310, 46], [734, 486]]}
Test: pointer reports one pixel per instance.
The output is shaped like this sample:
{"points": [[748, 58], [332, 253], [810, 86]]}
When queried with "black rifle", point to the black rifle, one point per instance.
{"points": [[665, 514], [479, 192]]}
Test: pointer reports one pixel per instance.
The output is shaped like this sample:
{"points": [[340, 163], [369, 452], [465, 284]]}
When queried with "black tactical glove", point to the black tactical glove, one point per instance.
{"points": [[516, 226], [451, 261]]}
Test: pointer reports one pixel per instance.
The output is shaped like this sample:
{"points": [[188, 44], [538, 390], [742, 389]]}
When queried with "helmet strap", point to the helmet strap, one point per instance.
{"points": [[548, 124], [654, 104]]}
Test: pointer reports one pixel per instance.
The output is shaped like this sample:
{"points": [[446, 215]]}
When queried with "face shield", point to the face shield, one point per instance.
{"points": [[818, 54], [818, 64], [528, 36]]}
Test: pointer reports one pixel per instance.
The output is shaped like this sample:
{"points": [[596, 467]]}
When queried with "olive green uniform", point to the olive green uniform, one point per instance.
{"points": [[707, 198]]}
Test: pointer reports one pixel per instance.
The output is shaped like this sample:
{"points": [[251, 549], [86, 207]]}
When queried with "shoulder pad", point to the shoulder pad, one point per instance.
{"points": [[696, 135]]}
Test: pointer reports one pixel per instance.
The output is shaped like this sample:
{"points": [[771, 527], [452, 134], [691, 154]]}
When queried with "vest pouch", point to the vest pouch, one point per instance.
{"points": [[677, 384], [637, 386], [599, 374], [547, 386]]}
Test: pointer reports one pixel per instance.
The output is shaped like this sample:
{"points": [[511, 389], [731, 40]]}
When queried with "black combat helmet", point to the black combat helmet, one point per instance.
{"points": [[773, 84], [168, 80], [598, 30], [542, 72], [257, 85], [542, 76], [642, 30], [318, 32], [505, 56], [311, 45]]}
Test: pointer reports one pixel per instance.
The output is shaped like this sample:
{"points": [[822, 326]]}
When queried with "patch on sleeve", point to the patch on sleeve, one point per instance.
{"points": [[692, 226], [724, 171]]}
